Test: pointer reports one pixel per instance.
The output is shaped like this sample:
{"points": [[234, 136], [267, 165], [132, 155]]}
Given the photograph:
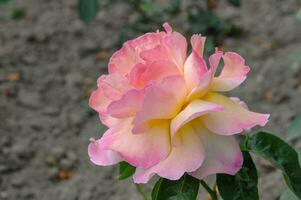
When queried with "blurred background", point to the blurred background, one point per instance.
{"points": [[52, 52]]}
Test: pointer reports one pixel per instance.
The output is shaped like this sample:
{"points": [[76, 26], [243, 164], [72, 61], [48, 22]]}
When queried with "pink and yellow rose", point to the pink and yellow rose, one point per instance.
{"points": [[163, 110]]}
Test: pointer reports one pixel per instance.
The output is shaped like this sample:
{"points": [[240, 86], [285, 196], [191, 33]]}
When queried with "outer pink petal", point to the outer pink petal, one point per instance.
{"points": [[240, 102], [140, 150], [162, 100], [214, 60], [114, 85], [176, 45], [141, 74], [198, 43], [193, 110], [222, 154], [108, 120], [157, 53], [194, 68], [160, 69], [98, 101], [127, 106], [124, 59], [100, 156], [135, 76], [205, 81], [187, 156], [202, 87], [233, 119], [233, 73], [167, 27]]}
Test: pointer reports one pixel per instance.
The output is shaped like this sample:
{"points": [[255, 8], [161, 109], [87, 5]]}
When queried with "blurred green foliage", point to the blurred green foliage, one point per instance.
{"points": [[4, 1], [206, 22], [17, 11], [88, 10], [298, 15], [234, 2], [201, 18]]}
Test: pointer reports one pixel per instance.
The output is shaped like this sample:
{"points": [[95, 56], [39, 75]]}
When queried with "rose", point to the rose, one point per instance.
{"points": [[163, 112]]}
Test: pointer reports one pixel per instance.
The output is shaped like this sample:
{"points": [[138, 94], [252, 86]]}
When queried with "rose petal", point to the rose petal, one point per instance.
{"points": [[99, 156], [198, 43], [141, 75], [159, 70], [157, 53], [187, 156], [233, 119], [98, 101], [114, 85], [193, 110], [162, 100], [222, 154], [176, 45], [167, 27], [233, 73], [194, 68], [214, 60], [205, 80], [240, 102], [202, 87], [140, 150], [128, 56], [108, 120], [127, 106]]}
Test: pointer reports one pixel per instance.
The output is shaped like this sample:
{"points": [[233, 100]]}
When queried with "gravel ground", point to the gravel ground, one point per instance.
{"points": [[49, 62]]}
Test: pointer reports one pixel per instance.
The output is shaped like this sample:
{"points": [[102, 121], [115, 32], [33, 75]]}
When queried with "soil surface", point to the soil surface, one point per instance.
{"points": [[49, 62]]}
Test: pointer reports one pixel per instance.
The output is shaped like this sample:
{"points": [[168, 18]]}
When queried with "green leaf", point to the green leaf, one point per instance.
{"points": [[280, 154], [185, 188], [242, 186], [299, 154], [236, 3], [288, 195], [87, 10], [294, 130], [125, 170]]}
